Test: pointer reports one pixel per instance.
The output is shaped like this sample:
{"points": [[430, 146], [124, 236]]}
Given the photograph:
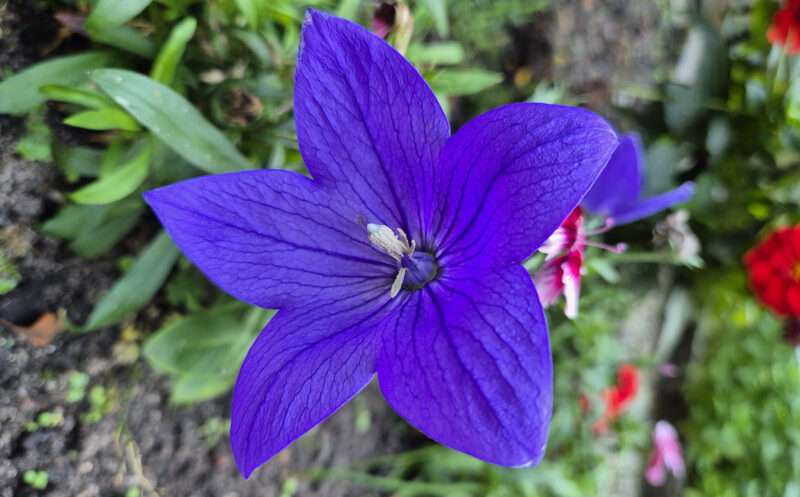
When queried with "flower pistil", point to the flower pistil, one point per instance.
{"points": [[415, 269]]}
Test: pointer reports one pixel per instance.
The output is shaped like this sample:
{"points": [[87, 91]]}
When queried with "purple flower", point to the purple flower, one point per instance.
{"points": [[401, 257], [617, 192]]}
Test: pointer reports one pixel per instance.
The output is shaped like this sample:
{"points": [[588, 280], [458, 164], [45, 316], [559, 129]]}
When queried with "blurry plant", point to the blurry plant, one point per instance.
{"points": [[77, 384], [742, 435], [9, 276], [100, 404], [36, 479], [46, 419]]}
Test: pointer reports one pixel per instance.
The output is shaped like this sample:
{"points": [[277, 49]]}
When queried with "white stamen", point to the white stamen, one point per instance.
{"points": [[398, 283], [394, 245]]}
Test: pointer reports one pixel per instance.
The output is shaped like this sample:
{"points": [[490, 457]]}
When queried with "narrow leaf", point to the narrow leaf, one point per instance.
{"points": [[115, 12], [249, 10], [172, 119], [20, 94], [94, 229], [167, 60], [459, 82], [348, 9], [76, 161], [135, 289], [438, 10], [117, 185], [77, 96], [436, 53], [125, 38], [103, 119]]}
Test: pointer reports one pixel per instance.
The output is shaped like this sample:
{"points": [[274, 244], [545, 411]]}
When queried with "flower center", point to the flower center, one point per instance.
{"points": [[796, 272], [421, 267], [414, 269]]}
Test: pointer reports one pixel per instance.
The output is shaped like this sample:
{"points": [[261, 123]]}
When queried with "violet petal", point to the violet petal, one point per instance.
{"points": [[308, 362], [467, 362], [621, 181], [629, 213], [270, 238], [368, 125], [509, 177]]}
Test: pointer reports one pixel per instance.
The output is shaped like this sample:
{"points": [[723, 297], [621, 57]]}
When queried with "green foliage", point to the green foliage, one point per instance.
{"points": [[744, 438], [100, 404], [203, 351], [172, 119], [459, 82], [36, 479], [20, 94], [135, 289], [9, 276], [77, 384], [118, 183], [36, 143]]}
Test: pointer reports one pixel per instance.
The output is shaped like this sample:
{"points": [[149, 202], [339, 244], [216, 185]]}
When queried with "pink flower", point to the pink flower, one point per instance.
{"points": [[561, 272], [667, 455]]}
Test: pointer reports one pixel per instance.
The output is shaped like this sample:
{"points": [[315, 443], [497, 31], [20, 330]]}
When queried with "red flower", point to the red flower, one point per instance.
{"points": [[785, 28], [774, 270], [619, 397]]}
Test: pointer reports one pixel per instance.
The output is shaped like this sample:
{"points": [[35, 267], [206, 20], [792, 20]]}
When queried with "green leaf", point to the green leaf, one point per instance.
{"points": [[172, 119], [700, 74], [438, 10], [448, 52], [125, 38], [170, 55], [115, 12], [203, 351], [20, 94], [9, 276], [103, 119], [135, 289], [348, 9], [94, 229], [249, 9], [119, 184], [459, 82], [36, 143], [77, 96], [76, 161]]}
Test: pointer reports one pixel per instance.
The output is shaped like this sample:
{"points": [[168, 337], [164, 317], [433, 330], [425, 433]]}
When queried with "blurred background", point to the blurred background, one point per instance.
{"points": [[117, 356]]}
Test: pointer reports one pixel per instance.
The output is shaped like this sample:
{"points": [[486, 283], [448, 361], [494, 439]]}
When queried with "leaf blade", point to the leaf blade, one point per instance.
{"points": [[135, 289], [114, 12], [172, 119], [118, 184], [20, 94]]}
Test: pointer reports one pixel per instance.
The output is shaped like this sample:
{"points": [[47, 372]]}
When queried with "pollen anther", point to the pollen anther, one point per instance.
{"points": [[385, 240]]}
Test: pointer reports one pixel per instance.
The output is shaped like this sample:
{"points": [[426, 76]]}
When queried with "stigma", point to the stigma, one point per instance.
{"points": [[414, 269]]}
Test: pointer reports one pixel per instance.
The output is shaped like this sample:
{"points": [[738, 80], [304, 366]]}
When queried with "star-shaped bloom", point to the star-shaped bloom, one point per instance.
{"points": [[400, 256], [618, 191]]}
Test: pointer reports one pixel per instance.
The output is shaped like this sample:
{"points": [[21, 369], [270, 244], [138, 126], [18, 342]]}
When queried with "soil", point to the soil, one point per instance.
{"points": [[142, 441]]}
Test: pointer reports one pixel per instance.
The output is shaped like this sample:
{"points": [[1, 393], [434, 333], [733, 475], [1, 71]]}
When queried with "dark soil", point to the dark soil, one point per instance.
{"points": [[179, 450]]}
